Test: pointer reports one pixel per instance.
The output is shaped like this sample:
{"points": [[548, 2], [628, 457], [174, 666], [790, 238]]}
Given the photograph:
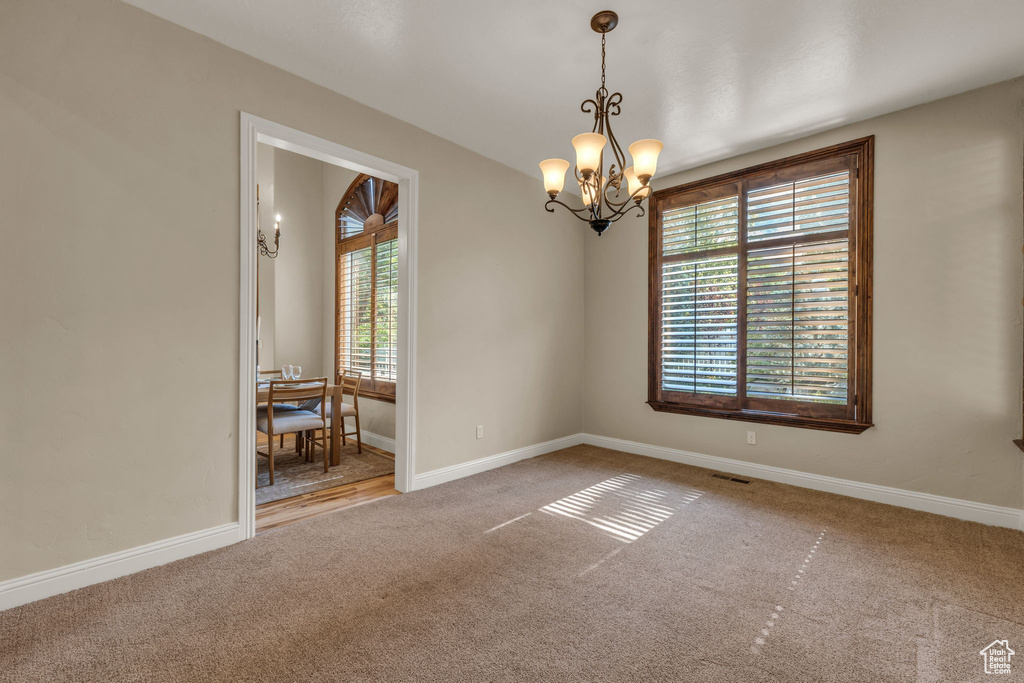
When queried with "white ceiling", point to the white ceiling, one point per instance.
{"points": [[711, 79]]}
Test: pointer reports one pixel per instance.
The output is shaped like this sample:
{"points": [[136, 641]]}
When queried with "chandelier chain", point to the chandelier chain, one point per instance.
{"points": [[603, 34]]}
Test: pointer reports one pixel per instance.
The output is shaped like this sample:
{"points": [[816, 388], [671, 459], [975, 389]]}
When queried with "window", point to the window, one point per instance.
{"points": [[760, 293], [366, 338]]}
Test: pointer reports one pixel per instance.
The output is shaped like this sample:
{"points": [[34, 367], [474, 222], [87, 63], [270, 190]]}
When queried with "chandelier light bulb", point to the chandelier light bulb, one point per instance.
{"points": [[589, 147], [637, 190], [554, 175], [645, 158]]}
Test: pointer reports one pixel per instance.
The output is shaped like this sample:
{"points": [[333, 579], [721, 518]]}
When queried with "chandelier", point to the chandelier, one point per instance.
{"points": [[602, 206]]}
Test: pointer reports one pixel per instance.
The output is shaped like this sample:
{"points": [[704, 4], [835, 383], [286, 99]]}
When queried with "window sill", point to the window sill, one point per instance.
{"points": [[386, 398], [781, 419]]}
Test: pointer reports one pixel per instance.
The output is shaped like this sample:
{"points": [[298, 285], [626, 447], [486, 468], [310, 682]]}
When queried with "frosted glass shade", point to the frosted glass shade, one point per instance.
{"points": [[554, 175], [588, 152], [634, 185], [645, 158]]}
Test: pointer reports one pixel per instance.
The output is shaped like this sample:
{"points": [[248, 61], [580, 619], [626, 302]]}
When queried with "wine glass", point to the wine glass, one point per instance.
{"points": [[296, 372], [286, 372]]}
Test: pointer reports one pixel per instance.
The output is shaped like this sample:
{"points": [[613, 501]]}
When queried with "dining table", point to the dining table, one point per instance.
{"points": [[335, 393]]}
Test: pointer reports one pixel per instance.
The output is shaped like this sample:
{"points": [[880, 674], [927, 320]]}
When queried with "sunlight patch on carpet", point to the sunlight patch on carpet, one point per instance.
{"points": [[622, 507]]}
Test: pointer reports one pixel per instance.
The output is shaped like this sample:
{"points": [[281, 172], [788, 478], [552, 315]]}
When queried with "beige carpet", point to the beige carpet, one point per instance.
{"points": [[584, 565], [293, 476]]}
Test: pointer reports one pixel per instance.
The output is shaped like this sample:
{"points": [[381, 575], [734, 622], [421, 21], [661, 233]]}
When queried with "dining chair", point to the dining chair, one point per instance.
{"points": [[349, 381], [274, 422], [281, 407]]}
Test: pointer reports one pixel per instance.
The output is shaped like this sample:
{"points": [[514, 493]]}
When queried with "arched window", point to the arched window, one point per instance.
{"points": [[366, 314]]}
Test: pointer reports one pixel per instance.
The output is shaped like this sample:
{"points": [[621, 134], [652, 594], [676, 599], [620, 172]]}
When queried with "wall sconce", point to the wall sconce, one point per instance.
{"points": [[261, 239]]}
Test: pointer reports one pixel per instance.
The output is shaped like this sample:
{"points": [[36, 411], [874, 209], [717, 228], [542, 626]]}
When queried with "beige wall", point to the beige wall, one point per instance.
{"points": [[377, 417], [119, 280], [947, 319], [299, 275]]}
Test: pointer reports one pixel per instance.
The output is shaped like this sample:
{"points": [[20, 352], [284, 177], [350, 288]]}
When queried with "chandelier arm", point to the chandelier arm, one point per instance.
{"points": [[575, 212], [625, 210], [639, 190], [613, 203], [632, 196]]}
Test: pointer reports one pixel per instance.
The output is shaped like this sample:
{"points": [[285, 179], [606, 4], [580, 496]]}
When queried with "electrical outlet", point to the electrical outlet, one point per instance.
{"points": [[752, 438], [479, 431]]}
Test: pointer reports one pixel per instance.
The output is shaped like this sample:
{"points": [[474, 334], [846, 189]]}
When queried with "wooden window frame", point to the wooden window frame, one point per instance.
{"points": [[858, 155]]}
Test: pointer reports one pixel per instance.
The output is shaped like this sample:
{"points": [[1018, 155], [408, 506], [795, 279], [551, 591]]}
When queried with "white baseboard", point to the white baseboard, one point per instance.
{"points": [[1011, 518], [378, 441], [70, 577], [465, 469]]}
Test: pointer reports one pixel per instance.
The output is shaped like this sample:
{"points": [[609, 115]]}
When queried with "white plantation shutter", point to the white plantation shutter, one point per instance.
{"points": [[699, 326], [804, 207], [355, 294], [700, 293], [797, 332], [386, 312], [701, 226], [754, 307], [367, 315]]}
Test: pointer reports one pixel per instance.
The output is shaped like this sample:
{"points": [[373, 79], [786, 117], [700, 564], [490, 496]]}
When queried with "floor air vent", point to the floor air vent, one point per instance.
{"points": [[728, 478]]}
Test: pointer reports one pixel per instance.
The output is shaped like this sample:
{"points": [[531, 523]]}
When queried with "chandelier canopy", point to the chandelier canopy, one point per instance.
{"points": [[631, 185]]}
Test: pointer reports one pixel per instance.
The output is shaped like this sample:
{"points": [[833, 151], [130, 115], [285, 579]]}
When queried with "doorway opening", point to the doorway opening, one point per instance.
{"points": [[328, 265]]}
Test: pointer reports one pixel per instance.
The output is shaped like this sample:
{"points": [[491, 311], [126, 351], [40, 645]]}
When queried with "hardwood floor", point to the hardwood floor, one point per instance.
{"points": [[281, 513]]}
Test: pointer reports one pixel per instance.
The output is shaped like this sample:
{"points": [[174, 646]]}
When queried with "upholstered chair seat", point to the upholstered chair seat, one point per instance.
{"points": [[289, 421]]}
